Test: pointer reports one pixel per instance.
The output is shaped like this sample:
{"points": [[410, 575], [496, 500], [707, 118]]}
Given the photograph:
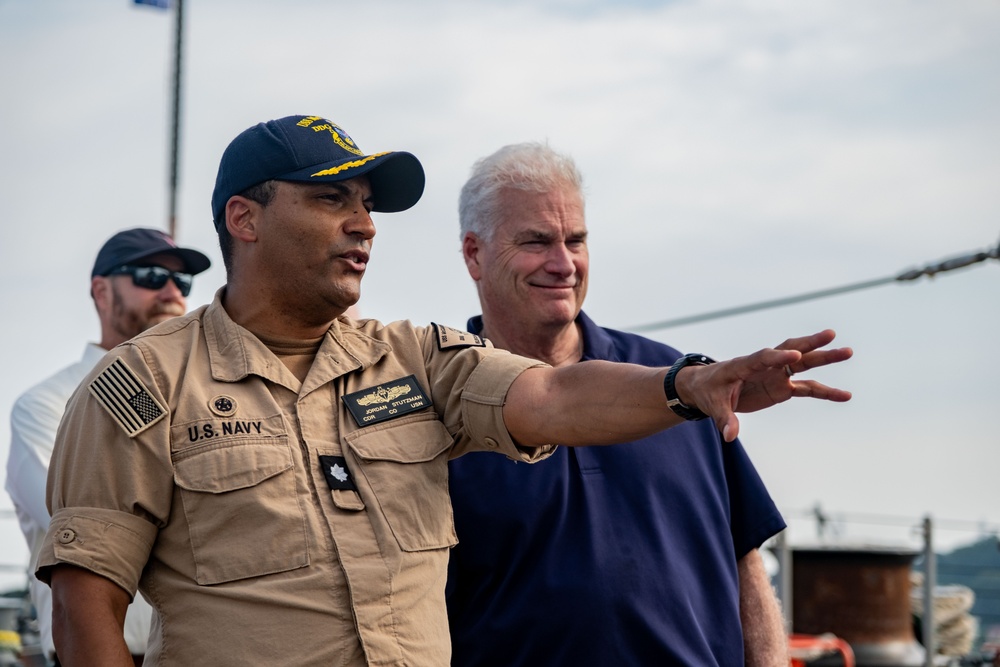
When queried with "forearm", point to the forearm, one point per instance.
{"points": [[765, 643], [88, 614], [599, 402], [590, 403]]}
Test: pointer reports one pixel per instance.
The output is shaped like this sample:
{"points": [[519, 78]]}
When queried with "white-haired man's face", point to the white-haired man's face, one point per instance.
{"points": [[533, 271]]}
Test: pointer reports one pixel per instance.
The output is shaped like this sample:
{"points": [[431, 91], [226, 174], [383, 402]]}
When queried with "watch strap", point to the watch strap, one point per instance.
{"points": [[673, 400]]}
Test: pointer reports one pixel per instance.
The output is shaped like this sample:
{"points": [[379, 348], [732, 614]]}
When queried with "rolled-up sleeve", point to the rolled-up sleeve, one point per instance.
{"points": [[482, 405], [469, 387], [82, 536]]}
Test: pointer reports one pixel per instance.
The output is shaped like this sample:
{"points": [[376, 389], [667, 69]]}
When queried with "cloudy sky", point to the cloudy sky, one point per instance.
{"points": [[733, 152]]}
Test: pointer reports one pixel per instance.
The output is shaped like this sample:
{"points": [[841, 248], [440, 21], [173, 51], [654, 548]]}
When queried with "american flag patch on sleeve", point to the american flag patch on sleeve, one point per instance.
{"points": [[126, 399]]}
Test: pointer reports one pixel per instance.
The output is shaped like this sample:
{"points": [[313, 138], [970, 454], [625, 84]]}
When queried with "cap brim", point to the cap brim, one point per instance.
{"points": [[194, 261], [397, 178]]}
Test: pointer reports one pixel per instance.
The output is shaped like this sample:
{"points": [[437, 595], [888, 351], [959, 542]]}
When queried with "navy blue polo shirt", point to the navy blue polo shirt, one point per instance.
{"points": [[616, 555]]}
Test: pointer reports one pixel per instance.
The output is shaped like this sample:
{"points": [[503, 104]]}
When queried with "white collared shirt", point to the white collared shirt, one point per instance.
{"points": [[34, 421]]}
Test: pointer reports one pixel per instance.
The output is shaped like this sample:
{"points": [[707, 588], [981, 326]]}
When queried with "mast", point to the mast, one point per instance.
{"points": [[175, 120]]}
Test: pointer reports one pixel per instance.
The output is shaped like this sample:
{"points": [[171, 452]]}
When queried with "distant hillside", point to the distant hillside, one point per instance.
{"points": [[978, 567]]}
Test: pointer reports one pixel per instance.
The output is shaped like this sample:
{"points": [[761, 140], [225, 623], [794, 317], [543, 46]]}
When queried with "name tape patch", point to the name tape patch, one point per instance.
{"points": [[448, 338], [336, 473], [126, 399], [386, 401], [223, 428]]}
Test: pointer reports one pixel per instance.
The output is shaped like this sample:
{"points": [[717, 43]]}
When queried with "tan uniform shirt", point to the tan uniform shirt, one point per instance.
{"points": [[189, 465]]}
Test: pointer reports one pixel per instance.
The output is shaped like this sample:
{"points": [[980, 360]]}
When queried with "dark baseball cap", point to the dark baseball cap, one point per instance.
{"points": [[132, 245], [311, 149]]}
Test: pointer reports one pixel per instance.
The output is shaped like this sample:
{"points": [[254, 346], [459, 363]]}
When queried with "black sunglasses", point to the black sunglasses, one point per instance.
{"points": [[155, 277]]}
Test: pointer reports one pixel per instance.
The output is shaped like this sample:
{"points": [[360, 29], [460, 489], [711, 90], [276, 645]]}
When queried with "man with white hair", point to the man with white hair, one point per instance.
{"points": [[641, 553]]}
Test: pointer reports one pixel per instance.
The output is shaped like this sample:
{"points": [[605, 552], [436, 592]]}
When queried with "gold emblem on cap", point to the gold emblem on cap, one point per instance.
{"points": [[340, 137], [223, 405], [343, 140]]}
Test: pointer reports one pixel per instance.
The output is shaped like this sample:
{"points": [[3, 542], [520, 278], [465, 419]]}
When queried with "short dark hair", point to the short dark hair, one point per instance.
{"points": [[263, 194]]}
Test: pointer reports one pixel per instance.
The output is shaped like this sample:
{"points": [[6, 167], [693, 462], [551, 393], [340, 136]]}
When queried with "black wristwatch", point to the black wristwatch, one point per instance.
{"points": [[673, 400]]}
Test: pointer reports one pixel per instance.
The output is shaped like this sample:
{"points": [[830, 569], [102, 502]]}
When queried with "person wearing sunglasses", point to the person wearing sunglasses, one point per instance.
{"points": [[155, 277], [140, 278]]}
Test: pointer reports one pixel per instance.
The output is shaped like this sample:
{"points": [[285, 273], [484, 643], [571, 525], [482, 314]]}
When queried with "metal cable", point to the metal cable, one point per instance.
{"points": [[930, 270]]}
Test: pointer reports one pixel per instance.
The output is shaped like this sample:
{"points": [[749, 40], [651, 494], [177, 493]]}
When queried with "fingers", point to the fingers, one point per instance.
{"points": [[762, 380], [809, 355], [814, 389], [816, 358], [765, 360], [726, 420], [809, 343], [729, 427], [812, 356], [820, 358]]}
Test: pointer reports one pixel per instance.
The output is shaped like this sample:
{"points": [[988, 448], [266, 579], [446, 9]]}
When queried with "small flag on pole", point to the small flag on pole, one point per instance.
{"points": [[162, 4]]}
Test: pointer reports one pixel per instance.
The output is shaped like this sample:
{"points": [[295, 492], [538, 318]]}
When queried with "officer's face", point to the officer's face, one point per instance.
{"points": [[533, 272], [317, 239], [135, 309]]}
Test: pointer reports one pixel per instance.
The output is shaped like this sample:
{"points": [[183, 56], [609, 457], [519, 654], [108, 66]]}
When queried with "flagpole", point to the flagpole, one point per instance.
{"points": [[175, 120]]}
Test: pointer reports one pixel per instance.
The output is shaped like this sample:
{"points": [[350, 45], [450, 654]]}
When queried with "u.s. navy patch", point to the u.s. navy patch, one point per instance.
{"points": [[336, 473], [126, 399], [386, 401], [448, 338]]}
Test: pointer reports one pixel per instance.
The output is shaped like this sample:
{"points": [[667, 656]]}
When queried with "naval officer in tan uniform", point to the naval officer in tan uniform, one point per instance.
{"points": [[272, 475]]}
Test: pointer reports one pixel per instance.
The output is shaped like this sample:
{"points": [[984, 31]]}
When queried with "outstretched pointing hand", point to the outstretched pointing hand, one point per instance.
{"points": [[760, 380]]}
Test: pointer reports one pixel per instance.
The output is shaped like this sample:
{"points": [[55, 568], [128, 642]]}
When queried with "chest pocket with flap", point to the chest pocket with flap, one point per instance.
{"points": [[242, 509], [405, 463]]}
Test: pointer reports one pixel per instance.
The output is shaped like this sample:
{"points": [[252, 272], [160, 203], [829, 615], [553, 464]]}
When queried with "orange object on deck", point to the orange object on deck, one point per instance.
{"points": [[803, 648]]}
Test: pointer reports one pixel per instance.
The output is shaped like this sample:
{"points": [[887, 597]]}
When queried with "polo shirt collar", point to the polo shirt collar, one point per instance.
{"points": [[597, 344]]}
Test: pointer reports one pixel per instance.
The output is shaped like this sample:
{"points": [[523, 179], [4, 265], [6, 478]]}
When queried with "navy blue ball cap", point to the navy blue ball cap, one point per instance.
{"points": [[311, 149], [133, 245]]}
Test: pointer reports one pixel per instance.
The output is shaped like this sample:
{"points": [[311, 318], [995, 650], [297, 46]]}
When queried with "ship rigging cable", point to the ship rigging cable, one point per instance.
{"points": [[930, 270]]}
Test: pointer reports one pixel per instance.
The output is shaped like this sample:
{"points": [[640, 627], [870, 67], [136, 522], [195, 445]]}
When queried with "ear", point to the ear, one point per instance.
{"points": [[241, 218], [100, 291], [471, 247]]}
